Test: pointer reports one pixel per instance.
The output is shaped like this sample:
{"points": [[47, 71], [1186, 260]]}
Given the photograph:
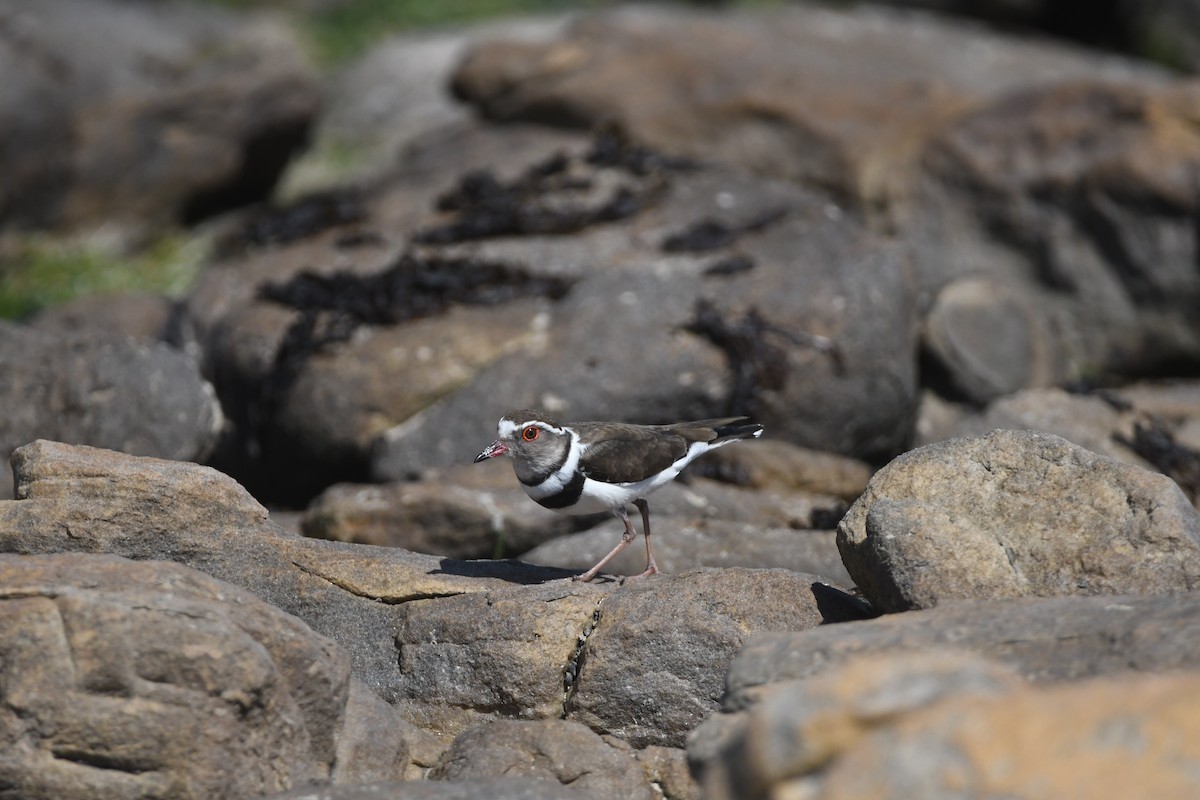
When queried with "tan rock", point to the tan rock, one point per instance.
{"points": [[1012, 514]]}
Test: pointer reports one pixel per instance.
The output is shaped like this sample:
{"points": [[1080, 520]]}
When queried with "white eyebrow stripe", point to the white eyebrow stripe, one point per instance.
{"points": [[506, 427]]}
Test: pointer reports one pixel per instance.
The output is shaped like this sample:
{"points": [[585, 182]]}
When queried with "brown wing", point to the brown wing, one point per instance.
{"points": [[626, 453]]}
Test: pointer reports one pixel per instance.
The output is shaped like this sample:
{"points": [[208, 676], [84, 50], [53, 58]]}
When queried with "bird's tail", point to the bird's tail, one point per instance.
{"points": [[728, 430]]}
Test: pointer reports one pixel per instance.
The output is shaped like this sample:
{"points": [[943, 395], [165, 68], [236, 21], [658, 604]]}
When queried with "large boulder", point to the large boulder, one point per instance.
{"points": [[144, 114], [449, 643], [149, 679], [138, 396], [939, 725], [1013, 514]]}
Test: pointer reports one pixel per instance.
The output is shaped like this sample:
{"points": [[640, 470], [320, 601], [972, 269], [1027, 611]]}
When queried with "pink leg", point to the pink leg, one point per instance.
{"points": [[626, 538], [651, 567]]}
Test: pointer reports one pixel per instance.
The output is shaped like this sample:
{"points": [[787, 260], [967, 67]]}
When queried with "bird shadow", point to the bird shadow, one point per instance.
{"points": [[507, 569]]}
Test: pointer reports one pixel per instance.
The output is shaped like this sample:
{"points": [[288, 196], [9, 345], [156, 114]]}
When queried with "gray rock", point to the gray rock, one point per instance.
{"points": [[990, 338], [80, 499], [682, 544], [448, 643], [654, 666], [392, 99], [814, 110], [138, 315], [944, 725], [491, 789], [498, 653], [144, 115], [799, 726], [550, 749], [1152, 425], [462, 512], [139, 397], [728, 339], [1080, 190], [1044, 639], [152, 680], [1017, 513]]}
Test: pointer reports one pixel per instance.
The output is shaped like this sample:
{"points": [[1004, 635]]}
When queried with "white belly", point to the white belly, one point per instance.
{"points": [[598, 497]]}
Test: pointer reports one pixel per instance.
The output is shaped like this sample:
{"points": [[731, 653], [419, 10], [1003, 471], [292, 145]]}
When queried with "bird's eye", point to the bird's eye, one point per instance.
{"points": [[530, 433]]}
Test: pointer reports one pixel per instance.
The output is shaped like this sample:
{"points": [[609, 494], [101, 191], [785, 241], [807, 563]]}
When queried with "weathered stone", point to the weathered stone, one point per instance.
{"points": [[800, 726], [153, 680], [114, 113], [80, 499], [1012, 514], [654, 666], [667, 770], [1083, 189], [462, 512], [551, 749], [449, 643], [776, 464], [682, 544], [786, 93], [742, 339], [493, 789], [470, 658], [138, 315], [941, 725], [143, 398], [989, 339], [1044, 639]]}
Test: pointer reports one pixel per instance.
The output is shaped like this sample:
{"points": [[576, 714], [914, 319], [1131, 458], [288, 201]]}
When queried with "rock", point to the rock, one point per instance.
{"points": [[1017, 513], [883, 729], [121, 112], [1123, 735], [1150, 425], [80, 499], [814, 111], [776, 464], [654, 665], [682, 544], [391, 99], [802, 726], [143, 398], [667, 770], [734, 341], [493, 789], [550, 749], [1043, 639], [153, 680], [461, 512], [1086, 420], [138, 315], [988, 339], [1082, 189], [503, 652], [448, 643]]}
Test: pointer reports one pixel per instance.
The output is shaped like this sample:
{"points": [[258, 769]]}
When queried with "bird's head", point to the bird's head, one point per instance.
{"points": [[536, 443]]}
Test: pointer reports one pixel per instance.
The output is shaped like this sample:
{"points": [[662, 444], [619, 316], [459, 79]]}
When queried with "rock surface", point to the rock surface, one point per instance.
{"points": [[140, 397], [938, 725], [555, 750], [1017, 513], [149, 679], [450, 644], [116, 114], [1043, 639]]}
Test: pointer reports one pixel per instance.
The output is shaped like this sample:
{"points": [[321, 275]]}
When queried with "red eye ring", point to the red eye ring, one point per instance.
{"points": [[530, 433]]}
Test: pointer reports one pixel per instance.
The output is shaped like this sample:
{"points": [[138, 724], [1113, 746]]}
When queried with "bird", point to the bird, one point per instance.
{"points": [[590, 467]]}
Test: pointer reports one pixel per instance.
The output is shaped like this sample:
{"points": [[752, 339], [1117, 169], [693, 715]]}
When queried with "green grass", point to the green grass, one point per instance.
{"points": [[38, 271]]}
